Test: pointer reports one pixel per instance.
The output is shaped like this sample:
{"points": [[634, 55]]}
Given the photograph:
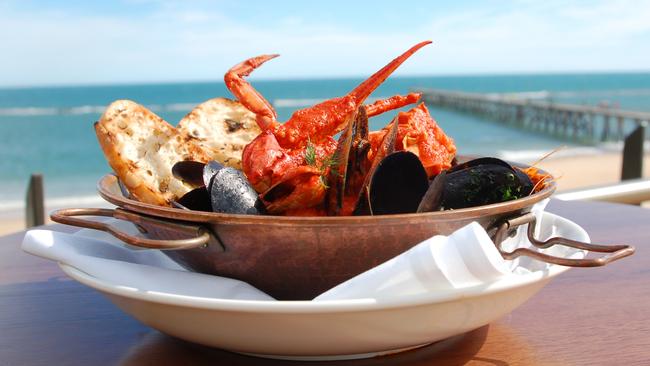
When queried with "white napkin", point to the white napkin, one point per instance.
{"points": [[463, 259], [142, 270]]}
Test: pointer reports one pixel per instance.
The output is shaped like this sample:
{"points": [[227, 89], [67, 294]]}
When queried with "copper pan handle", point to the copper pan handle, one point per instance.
{"points": [[201, 236], [614, 252]]}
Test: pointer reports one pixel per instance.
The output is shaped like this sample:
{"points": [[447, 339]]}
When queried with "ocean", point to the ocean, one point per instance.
{"points": [[49, 130]]}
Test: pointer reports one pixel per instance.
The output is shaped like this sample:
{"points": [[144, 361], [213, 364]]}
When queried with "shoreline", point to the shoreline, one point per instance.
{"points": [[573, 168]]}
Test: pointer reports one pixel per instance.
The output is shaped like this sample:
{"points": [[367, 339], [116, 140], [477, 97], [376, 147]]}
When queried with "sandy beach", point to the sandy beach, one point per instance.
{"points": [[575, 172], [572, 172]]}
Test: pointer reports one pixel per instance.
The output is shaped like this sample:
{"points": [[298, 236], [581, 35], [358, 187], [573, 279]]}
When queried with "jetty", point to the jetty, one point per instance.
{"points": [[578, 123]]}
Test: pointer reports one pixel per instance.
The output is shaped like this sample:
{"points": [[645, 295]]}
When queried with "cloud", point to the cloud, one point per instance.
{"points": [[200, 41], [548, 36]]}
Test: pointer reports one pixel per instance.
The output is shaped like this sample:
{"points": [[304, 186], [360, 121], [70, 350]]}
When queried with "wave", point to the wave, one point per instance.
{"points": [[545, 94], [51, 111], [293, 103], [602, 93], [28, 111], [86, 109]]}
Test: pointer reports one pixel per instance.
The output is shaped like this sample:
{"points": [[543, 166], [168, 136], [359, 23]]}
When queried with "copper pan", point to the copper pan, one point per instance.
{"points": [[293, 258]]}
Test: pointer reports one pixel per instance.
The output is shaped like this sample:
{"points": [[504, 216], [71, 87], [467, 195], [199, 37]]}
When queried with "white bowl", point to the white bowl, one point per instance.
{"points": [[342, 329]]}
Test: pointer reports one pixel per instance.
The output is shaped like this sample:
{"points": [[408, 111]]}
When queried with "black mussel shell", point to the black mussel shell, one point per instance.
{"points": [[432, 200], [398, 184], [485, 182], [209, 170], [230, 192], [478, 161], [195, 173], [197, 199], [190, 172], [347, 177]]}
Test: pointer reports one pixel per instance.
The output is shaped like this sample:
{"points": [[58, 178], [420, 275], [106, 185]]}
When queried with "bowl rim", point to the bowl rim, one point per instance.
{"points": [[110, 180]]}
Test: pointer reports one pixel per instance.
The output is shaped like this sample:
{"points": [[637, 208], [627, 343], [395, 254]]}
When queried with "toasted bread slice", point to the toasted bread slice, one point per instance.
{"points": [[142, 148], [220, 128]]}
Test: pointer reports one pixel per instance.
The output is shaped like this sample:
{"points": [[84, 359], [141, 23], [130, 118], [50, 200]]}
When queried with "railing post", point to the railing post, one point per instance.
{"points": [[605, 135], [633, 154], [34, 207]]}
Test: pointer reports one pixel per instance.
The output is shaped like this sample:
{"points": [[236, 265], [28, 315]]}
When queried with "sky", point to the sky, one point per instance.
{"points": [[146, 41]]}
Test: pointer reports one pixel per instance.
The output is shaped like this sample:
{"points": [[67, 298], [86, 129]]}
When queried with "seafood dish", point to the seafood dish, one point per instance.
{"points": [[298, 207], [300, 167]]}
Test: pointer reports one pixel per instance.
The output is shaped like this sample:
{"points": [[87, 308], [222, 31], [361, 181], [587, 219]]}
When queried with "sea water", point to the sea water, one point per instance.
{"points": [[50, 130]]}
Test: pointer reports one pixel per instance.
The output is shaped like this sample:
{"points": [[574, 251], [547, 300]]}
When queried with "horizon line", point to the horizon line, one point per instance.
{"points": [[312, 78]]}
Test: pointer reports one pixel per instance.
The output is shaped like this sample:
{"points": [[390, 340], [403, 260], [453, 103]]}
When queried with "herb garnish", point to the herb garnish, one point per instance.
{"points": [[327, 164]]}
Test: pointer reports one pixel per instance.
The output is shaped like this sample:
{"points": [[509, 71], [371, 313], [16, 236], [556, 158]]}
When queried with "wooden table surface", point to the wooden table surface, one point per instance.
{"points": [[594, 316]]}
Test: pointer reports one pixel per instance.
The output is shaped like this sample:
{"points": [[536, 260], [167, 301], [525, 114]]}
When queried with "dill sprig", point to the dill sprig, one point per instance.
{"points": [[330, 162], [310, 153]]}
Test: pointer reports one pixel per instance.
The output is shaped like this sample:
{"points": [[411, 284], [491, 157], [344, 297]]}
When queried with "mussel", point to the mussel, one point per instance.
{"points": [[350, 180], [230, 192], [190, 172], [484, 181], [195, 173], [197, 199], [398, 184], [216, 189]]}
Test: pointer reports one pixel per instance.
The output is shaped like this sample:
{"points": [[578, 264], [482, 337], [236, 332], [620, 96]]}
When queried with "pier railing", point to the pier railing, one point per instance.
{"points": [[580, 123]]}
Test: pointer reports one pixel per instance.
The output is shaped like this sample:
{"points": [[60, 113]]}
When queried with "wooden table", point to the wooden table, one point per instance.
{"points": [[596, 316]]}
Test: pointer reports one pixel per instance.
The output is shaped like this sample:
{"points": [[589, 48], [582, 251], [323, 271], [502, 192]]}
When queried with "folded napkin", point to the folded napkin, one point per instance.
{"points": [[140, 270], [466, 258]]}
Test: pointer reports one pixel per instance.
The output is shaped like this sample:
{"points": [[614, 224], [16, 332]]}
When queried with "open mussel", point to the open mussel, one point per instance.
{"points": [[195, 173], [190, 172], [197, 199], [484, 181], [350, 179], [398, 184], [216, 189]]}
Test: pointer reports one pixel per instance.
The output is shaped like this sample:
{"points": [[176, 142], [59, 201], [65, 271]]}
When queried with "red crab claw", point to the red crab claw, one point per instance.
{"points": [[249, 97], [394, 102]]}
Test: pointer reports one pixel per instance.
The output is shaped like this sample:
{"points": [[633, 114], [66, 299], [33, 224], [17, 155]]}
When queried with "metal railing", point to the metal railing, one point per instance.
{"points": [[632, 192]]}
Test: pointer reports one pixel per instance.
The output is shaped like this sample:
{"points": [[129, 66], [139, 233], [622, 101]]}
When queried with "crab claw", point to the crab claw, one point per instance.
{"points": [[247, 95], [394, 102]]}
